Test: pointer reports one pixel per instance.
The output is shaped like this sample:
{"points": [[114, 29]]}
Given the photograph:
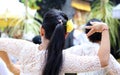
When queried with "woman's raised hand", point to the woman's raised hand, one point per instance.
{"points": [[96, 27]]}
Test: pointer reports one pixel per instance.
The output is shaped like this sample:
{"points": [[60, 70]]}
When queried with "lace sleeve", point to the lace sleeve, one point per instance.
{"points": [[12, 46], [114, 66], [89, 50], [75, 64], [84, 49]]}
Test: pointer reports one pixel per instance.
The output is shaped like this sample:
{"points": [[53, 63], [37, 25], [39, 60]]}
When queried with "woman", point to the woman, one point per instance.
{"points": [[114, 66], [48, 57], [91, 49]]}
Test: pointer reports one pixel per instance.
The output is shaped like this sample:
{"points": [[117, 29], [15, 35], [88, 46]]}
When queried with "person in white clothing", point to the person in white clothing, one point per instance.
{"points": [[48, 58], [76, 37]]}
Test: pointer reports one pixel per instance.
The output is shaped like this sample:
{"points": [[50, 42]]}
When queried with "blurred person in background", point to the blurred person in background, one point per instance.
{"points": [[37, 39], [76, 37]]}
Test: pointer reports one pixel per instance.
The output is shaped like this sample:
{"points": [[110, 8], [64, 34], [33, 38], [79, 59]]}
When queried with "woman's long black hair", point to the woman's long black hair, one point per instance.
{"points": [[54, 23]]}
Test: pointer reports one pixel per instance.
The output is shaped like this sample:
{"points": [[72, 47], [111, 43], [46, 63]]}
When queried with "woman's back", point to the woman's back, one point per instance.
{"points": [[32, 60]]}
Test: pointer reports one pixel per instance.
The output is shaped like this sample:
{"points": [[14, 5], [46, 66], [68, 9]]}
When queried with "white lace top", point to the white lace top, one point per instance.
{"points": [[91, 49], [32, 60]]}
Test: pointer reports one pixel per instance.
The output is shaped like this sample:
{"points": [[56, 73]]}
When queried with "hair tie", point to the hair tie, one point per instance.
{"points": [[60, 22], [69, 25]]}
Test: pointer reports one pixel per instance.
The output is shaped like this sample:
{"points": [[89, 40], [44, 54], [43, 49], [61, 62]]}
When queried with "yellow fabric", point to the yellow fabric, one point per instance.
{"points": [[69, 25], [8, 22], [81, 5], [8, 19]]}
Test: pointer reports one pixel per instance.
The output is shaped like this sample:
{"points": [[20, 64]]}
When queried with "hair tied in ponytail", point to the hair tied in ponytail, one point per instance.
{"points": [[69, 25]]}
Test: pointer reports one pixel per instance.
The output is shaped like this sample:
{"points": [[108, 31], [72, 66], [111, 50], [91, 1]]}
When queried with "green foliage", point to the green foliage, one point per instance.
{"points": [[23, 26], [32, 3], [27, 24], [102, 9]]}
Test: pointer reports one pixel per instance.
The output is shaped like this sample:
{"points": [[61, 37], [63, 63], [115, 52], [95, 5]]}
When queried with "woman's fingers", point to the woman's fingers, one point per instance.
{"points": [[92, 23], [88, 27], [96, 23], [90, 32], [96, 27]]}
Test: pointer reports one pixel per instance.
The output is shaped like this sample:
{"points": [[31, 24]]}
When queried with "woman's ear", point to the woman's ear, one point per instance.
{"points": [[42, 31]]}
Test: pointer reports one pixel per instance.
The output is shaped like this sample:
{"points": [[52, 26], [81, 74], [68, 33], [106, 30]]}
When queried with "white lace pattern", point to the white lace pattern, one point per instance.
{"points": [[32, 60]]}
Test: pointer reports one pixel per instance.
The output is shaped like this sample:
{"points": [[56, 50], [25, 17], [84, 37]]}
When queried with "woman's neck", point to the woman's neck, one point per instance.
{"points": [[44, 44]]}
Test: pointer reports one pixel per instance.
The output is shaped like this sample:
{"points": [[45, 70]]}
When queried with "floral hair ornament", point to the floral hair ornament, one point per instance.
{"points": [[69, 25]]}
